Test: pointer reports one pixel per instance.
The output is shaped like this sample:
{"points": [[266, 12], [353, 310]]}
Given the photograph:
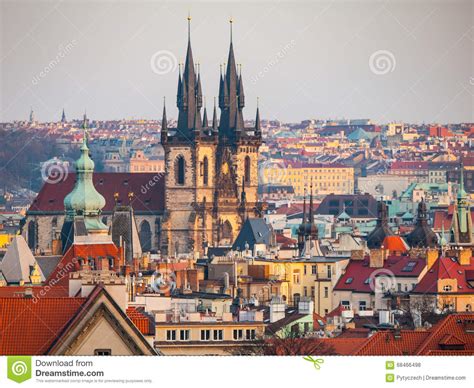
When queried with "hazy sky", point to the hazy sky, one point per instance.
{"points": [[385, 60]]}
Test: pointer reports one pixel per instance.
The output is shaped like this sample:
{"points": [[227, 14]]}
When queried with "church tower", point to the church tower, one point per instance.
{"points": [[211, 168], [461, 228]]}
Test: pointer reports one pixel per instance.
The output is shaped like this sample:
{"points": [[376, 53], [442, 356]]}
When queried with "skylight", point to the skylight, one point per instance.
{"points": [[349, 280]]}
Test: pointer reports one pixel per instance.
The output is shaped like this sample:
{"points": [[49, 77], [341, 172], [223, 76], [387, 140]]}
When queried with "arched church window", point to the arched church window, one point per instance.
{"points": [[145, 236], [32, 235], [205, 173], [247, 169], [180, 170]]}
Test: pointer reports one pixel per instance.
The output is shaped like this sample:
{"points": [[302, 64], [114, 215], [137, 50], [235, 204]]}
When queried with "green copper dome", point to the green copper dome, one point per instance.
{"points": [[84, 199]]}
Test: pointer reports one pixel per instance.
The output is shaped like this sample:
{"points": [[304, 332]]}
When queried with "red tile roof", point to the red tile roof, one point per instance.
{"points": [[386, 343], [148, 189], [395, 244], [284, 241], [409, 165], [451, 336], [141, 321], [446, 268], [360, 271], [37, 322]]}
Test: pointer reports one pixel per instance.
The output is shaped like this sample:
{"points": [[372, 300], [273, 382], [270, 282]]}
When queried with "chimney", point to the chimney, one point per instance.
{"points": [[465, 256], [377, 257], [28, 293]]}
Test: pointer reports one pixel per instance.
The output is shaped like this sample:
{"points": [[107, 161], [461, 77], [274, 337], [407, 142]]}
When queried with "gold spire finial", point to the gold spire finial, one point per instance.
{"points": [[189, 25]]}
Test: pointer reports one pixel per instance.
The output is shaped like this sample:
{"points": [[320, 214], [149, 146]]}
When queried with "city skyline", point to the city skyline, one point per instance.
{"points": [[321, 66]]}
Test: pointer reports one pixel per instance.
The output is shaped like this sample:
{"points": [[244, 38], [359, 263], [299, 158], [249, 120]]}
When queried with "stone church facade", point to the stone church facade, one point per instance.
{"points": [[211, 168]]}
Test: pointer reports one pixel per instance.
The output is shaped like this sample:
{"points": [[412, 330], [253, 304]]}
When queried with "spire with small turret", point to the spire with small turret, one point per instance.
{"points": [[164, 123], [214, 117], [189, 92], [204, 118], [63, 117], [231, 96]]}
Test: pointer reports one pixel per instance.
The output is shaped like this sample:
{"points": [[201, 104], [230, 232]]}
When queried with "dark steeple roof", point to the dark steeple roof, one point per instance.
{"points": [[382, 230], [231, 111], [422, 236], [63, 117], [187, 93], [214, 117], [258, 128], [307, 229], [164, 123], [204, 118]]}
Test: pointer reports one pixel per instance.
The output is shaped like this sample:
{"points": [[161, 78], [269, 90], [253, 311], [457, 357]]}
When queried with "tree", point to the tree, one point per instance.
{"points": [[284, 343]]}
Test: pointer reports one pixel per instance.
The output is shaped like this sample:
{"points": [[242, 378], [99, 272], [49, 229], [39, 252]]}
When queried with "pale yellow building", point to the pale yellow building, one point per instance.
{"points": [[326, 179]]}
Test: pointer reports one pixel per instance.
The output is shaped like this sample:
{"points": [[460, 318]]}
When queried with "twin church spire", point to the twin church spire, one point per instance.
{"points": [[190, 99]]}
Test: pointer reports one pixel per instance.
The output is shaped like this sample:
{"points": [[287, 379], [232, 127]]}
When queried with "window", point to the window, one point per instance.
{"points": [[247, 169], [346, 304], [329, 271], [305, 291], [238, 334], [304, 267], [180, 167], [296, 277], [205, 335], [102, 352], [312, 291], [205, 173], [362, 305], [218, 335], [250, 334], [349, 280], [314, 270], [184, 335], [170, 335], [326, 292]]}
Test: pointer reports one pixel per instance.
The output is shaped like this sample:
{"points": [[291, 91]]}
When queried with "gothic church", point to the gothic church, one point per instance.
{"points": [[211, 167]]}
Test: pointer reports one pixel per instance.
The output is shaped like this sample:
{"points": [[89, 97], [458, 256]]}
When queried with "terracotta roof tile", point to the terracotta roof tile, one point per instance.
{"points": [[38, 322]]}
